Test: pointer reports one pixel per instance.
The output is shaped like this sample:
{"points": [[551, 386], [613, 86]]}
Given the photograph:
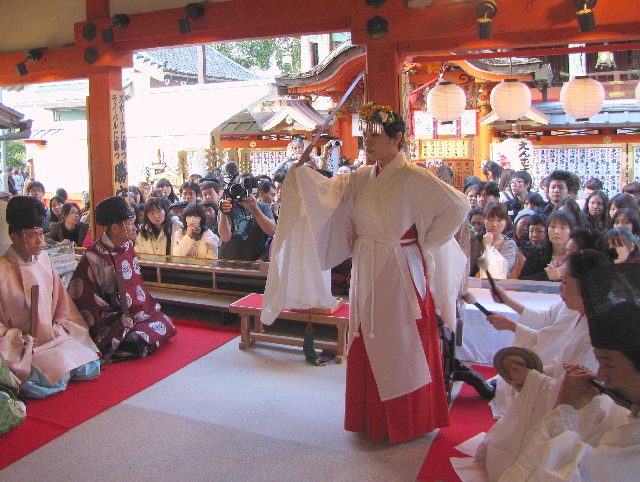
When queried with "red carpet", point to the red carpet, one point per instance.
{"points": [[470, 415], [51, 417]]}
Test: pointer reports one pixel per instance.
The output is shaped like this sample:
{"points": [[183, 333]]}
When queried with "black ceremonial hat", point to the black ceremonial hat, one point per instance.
{"points": [[25, 212], [611, 297], [112, 210]]}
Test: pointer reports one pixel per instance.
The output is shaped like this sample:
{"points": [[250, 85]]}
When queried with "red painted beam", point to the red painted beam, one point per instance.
{"points": [[518, 23], [542, 51]]}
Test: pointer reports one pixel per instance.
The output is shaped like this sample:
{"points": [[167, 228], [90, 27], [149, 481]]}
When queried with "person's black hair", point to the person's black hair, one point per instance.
{"points": [[565, 176], [495, 170], [536, 219], [265, 186], [495, 209], [634, 358], [61, 192], [66, 209], [210, 184], [148, 228], [564, 217], [623, 200], [590, 239], [470, 181], [574, 209], [631, 216], [279, 175], [58, 199], [475, 212], [594, 184], [391, 129], [165, 182], [525, 176], [208, 203], [491, 189], [194, 209], [192, 185], [36, 184], [535, 199], [602, 222], [582, 262]]}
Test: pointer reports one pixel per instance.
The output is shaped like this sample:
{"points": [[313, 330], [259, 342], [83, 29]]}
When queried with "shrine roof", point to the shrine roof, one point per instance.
{"points": [[184, 60], [324, 70]]}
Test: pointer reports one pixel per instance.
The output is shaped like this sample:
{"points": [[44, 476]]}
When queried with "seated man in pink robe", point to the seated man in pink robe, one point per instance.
{"points": [[39, 340], [124, 320]]}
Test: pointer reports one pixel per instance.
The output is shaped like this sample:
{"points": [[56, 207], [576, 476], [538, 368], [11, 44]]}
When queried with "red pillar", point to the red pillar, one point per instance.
{"points": [[102, 153], [383, 70]]}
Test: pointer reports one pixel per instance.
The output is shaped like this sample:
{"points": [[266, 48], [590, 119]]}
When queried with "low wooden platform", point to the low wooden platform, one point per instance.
{"points": [[192, 299], [250, 307]]}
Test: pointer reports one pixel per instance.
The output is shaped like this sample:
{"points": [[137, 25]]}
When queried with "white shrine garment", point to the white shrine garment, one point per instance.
{"points": [[599, 442], [324, 221], [550, 333]]}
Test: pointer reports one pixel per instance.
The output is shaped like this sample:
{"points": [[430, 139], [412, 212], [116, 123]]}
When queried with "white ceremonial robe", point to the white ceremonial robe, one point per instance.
{"points": [[324, 221], [546, 333], [599, 442]]}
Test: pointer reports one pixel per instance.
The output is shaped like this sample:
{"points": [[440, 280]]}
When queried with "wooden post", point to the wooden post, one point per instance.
{"points": [[106, 136], [383, 69]]}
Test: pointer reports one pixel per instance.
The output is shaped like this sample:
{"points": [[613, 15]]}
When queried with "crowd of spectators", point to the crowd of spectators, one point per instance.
{"points": [[523, 234]]}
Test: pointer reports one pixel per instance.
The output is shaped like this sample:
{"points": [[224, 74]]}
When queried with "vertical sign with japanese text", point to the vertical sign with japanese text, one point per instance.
{"points": [[118, 142]]}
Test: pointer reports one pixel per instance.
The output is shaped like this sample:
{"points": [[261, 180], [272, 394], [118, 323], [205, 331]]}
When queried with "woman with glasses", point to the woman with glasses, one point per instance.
{"points": [[70, 228]]}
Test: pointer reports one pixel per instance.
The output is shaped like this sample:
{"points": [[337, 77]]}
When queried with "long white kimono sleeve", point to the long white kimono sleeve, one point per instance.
{"points": [[599, 442], [314, 233]]}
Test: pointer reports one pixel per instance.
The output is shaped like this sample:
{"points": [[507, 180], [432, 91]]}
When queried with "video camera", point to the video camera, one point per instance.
{"points": [[239, 189]]}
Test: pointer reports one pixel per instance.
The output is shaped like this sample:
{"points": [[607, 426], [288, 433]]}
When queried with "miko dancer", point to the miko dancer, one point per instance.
{"points": [[397, 221]]}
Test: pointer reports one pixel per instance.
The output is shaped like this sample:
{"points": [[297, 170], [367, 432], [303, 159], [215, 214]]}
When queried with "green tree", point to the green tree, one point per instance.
{"points": [[16, 154], [283, 52]]}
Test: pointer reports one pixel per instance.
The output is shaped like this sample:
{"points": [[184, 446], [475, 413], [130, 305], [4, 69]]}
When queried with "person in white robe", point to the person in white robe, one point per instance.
{"points": [[546, 332], [587, 436], [534, 394], [43, 338], [397, 221]]}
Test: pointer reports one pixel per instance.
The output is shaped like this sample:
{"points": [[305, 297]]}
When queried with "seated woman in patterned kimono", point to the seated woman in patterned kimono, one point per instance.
{"points": [[123, 318], [40, 338]]}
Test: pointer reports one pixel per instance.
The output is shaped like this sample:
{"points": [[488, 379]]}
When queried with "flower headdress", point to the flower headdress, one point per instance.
{"points": [[373, 117]]}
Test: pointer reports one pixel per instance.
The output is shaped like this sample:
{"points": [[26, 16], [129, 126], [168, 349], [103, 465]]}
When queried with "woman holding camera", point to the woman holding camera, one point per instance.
{"points": [[195, 240]]}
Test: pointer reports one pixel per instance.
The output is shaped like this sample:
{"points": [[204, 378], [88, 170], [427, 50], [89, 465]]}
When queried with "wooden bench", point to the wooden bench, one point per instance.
{"points": [[250, 307], [192, 299]]}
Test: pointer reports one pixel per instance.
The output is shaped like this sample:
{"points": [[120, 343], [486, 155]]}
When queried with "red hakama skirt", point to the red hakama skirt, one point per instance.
{"points": [[407, 416]]}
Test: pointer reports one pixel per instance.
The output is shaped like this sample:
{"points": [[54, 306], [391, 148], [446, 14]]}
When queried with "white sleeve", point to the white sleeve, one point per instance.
{"points": [[299, 276], [576, 445], [211, 241], [182, 244]]}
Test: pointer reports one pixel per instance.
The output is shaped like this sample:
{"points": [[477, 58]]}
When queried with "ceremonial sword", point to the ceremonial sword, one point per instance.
{"points": [[305, 155]]}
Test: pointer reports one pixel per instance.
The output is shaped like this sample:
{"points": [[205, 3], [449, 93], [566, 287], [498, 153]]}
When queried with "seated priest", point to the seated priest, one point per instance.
{"points": [[593, 432], [43, 339], [124, 320]]}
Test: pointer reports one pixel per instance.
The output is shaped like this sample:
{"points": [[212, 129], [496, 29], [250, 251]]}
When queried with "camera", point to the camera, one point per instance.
{"points": [[240, 190], [335, 143]]}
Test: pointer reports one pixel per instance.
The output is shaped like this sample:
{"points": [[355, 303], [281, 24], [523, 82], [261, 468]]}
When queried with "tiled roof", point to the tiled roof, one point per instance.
{"points": [[184, 60]]}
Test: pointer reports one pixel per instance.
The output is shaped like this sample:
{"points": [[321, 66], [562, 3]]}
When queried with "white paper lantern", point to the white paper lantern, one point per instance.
{"points": [[446, 101], [515, 152], [638, 93], [510, 99], [582, 98]]}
